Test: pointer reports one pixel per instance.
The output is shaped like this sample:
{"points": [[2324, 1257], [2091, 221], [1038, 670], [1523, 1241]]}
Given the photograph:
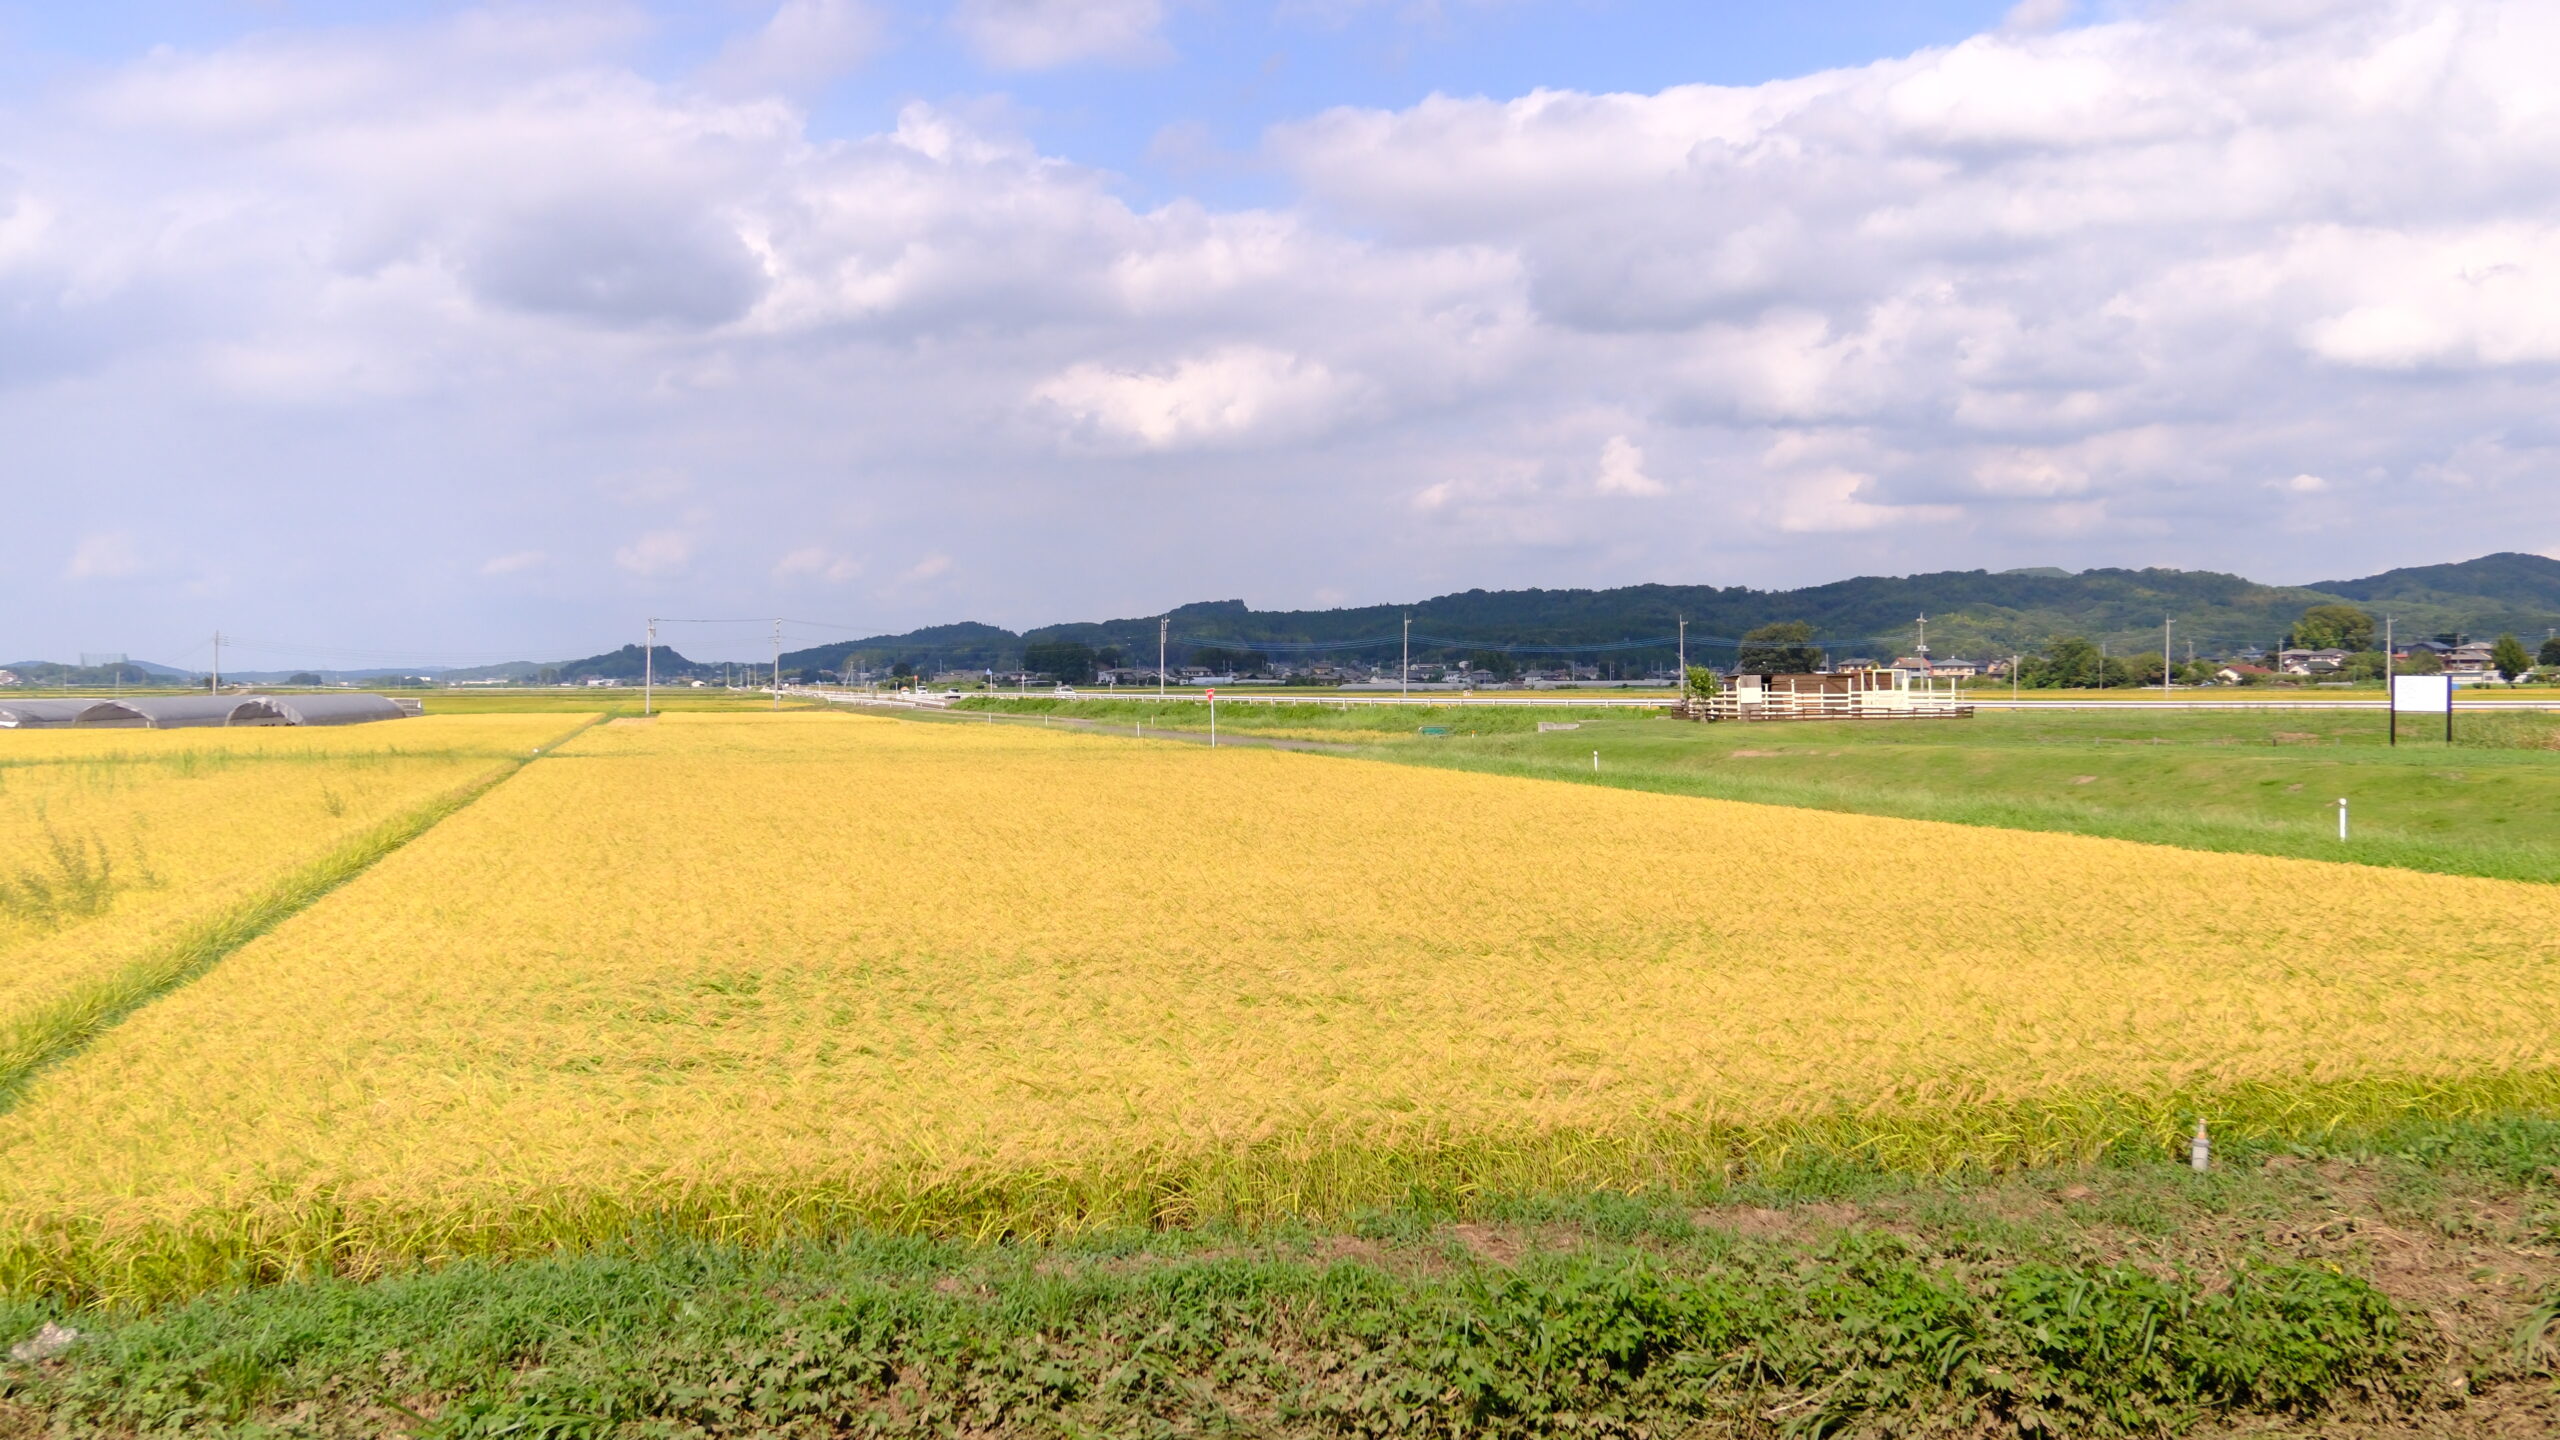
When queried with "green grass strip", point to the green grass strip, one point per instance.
{"points": [[68, 1025]]}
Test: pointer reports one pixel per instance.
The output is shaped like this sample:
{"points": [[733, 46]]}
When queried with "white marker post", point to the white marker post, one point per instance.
{"points": [[2342, 819], [1213, 717]]}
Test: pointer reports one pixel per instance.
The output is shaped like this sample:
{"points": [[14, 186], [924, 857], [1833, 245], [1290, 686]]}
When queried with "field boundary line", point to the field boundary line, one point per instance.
{"points": [[68, 1025]]}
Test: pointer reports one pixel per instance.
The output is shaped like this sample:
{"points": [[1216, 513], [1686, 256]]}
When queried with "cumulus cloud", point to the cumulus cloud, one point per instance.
{"points": [[2057, 294], [513, 562], [656, 554], [1225, 397], [1622, 470], [817, 562], [805, 43], [1041, 34], [111, 555]]}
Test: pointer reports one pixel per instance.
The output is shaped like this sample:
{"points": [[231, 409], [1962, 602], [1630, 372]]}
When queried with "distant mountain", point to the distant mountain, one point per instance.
{"points": [[1972, 613], [630, 663], [2528, 585]]}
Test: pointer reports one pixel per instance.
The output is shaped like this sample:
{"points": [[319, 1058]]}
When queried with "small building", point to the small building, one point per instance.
{"points": [[2310, 662], [9, 679], [190, 712], [42, 714], [1929, 667], [1834, 695]]}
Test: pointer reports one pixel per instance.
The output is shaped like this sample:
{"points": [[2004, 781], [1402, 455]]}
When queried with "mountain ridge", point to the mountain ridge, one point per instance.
{"points": [[1971, 613], [1975, 613]]}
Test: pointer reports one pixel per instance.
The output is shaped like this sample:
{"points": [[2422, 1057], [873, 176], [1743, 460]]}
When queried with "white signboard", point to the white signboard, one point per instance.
{"points": [[2422, 694]]}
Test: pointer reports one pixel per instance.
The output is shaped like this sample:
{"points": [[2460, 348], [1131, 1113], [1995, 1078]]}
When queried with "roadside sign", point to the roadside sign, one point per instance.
{"points": [[1213, 692], [2421, 695]]}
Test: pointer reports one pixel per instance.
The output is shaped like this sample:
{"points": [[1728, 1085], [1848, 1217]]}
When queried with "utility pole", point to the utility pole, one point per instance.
{"points": [[1680, 682], [2165, 622], [649, 666], [1164, 625], [2013, 677], [777, 664], [1405, 686], [2102, 664], [1923, 651]]}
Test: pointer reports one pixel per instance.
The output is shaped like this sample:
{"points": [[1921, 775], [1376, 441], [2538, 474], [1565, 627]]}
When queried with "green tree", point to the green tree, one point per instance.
{"points": [[2550, 652], [1069, 662], [2420, 662], [1702, 682], [2068, 662], [2508, 654], [1785, 648], [2362, 665], [2334, 627]]}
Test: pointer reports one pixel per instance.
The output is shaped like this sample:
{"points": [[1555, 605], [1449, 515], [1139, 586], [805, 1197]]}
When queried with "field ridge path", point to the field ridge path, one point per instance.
{"points": [[67, 1026]]}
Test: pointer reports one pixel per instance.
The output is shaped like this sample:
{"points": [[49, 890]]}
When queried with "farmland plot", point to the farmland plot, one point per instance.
{"points": [[114, 843], [750, 976]]}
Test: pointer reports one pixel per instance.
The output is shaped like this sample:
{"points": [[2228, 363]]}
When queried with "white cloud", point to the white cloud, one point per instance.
{"points": [[514, 562], [1043, 34], [817, 562], [1229, 396], [657, 553], [807, 42], [109, 555], [2052, 295], [1622, 470]]}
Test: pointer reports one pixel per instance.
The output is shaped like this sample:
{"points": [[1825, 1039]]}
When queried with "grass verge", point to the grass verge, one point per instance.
{"points": [[63, 1027], [2384, 1285]]}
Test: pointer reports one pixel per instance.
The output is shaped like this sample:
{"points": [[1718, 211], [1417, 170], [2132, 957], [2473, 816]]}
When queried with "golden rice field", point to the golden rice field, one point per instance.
{"points": [[114, 843], [754, 975]]}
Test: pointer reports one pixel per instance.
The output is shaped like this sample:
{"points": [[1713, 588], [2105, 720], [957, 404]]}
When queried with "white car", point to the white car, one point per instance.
{"points": [[1066, 692]]}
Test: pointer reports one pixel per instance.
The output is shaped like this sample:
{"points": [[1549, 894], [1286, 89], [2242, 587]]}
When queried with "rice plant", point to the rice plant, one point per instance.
{"points": [[70, 877], [751, 977]]}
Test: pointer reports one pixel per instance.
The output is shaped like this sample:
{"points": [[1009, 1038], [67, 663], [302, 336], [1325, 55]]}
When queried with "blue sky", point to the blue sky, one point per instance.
{"points": [[500, 326], [1226, 71]]}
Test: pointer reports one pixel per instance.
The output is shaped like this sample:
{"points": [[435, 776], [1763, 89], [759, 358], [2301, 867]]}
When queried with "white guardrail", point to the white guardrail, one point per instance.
{"points": [[1660, 702]]}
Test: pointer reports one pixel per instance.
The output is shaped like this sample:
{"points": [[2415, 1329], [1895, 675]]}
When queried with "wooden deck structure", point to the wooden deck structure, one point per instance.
{"points": [[1840, 695]]}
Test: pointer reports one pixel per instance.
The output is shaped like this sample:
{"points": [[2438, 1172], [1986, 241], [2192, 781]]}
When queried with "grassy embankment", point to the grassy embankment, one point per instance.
{"points": [[2406, 1291], [2266, 784]]}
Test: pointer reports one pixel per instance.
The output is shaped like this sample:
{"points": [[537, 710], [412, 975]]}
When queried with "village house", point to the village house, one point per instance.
{"points": [[1930, 667], [2310, 662], [2463, 659]]}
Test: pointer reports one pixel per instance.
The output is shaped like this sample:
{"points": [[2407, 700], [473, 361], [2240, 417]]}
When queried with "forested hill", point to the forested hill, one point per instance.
{"points": [[1971, 613]]}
